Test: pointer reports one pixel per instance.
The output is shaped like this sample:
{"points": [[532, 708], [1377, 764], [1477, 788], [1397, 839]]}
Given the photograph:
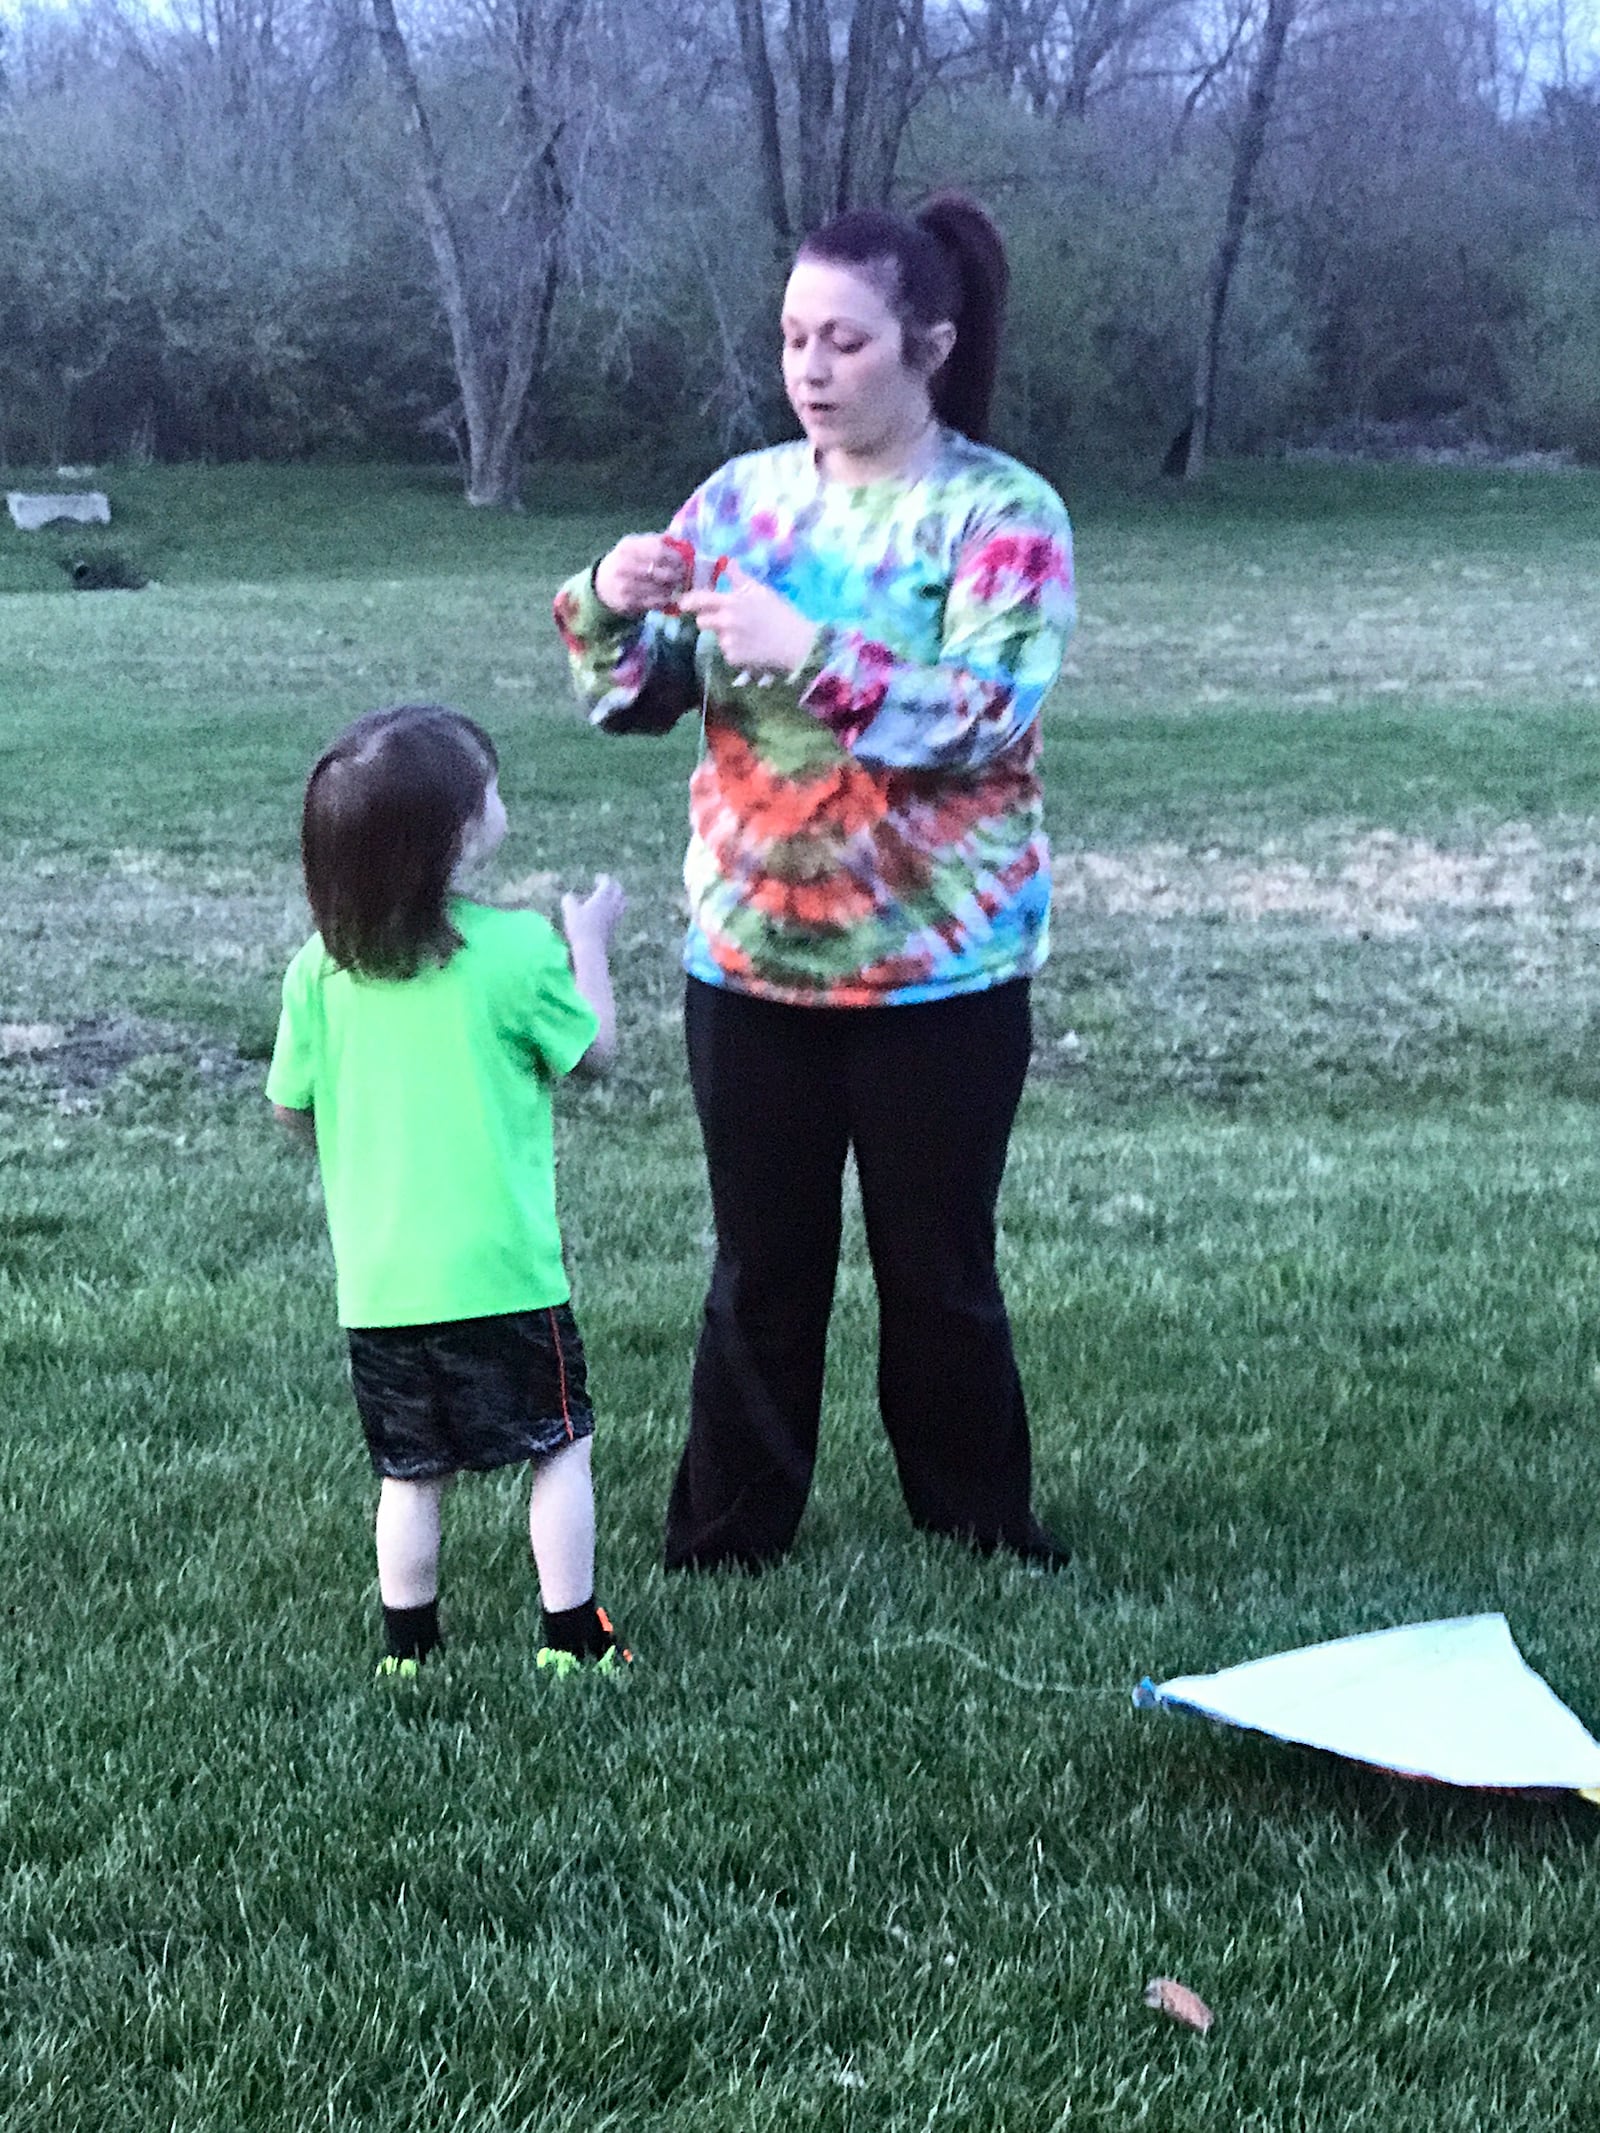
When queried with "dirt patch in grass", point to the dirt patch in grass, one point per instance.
{"points": [[1343, 965], [1375, 884], [80, 1059], [27, 1040], [1344, 624]]}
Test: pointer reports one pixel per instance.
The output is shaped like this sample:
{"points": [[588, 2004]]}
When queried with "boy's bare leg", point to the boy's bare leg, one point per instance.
{"points": [[561, 1527], [408, 1540], [561, 1532]]}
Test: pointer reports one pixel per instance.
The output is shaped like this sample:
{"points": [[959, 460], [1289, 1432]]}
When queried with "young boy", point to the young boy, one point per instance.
{"points": [[420, 1037]]}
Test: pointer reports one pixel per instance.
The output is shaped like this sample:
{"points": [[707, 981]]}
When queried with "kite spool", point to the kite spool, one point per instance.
{"points": [[698, 574]]}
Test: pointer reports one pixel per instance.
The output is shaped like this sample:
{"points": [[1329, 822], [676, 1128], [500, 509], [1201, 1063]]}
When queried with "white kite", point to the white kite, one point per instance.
{"points": [[1452, 1701]]}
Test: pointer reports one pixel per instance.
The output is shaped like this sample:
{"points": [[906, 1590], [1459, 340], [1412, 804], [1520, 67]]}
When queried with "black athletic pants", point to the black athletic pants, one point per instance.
{"points": [[925, 1095]]}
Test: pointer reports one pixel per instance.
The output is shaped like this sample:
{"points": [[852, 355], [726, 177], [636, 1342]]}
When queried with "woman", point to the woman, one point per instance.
{"points": [[867, 621]]}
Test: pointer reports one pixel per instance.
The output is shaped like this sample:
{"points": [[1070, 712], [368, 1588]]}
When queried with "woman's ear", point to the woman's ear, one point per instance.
{"points": [[937, 343]]}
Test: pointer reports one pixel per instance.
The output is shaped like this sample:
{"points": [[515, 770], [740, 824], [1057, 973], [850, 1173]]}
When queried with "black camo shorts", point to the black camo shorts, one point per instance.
{"points": [[470, 1394]]}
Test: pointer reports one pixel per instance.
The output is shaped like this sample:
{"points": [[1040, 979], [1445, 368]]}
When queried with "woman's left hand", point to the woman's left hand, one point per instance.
{"points": [[758, 630]]}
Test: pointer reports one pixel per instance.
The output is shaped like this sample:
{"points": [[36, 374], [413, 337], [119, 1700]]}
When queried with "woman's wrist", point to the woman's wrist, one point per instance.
{"points": [[806, 669], [598, 590], [584, 612], [804, 643]]}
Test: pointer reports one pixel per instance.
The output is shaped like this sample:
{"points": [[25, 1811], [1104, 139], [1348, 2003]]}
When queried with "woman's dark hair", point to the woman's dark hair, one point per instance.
{"points": [[386, 809], [945, 261]]}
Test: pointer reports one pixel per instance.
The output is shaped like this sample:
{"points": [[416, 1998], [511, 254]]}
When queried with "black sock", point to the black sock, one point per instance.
{"points": [[412, 1632], [584, 1631]]}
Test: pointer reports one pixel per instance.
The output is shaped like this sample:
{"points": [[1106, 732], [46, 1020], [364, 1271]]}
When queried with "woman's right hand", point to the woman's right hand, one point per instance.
{"points": [[643, 571]]}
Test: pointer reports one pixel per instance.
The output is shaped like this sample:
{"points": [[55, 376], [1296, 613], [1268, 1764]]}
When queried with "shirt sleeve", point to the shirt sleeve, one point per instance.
{"points": [[636, 673], [1008, 614], [552, 1016], [291, 1078]]}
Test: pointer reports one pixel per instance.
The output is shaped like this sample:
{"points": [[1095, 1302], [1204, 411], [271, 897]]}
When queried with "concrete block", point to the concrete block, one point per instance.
{"points": [[85, 507]]}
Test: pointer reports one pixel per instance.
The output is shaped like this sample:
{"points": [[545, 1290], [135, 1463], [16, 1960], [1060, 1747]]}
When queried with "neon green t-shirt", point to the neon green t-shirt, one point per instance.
{"points": [[432, 1104]]}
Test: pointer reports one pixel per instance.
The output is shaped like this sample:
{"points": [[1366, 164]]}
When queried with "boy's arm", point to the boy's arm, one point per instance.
{"points": [[302, 1124], [589, 923]]}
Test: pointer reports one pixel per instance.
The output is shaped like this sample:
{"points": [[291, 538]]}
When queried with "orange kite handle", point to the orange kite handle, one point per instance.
{"points": [[684, 551]]}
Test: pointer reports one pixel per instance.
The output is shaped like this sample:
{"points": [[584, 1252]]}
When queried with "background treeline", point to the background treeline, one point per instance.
{"points": [[279, 227]]}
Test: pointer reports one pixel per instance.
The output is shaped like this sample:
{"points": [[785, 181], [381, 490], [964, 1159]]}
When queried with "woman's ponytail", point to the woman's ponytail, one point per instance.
{"points": [[963, 387]]}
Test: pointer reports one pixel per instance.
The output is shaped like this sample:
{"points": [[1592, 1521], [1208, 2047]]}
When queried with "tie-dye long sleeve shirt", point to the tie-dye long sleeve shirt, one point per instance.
{"points": [[868, 830]]}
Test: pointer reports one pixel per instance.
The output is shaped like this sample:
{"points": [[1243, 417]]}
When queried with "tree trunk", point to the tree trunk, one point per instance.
{"points": [[1246, 159], [849, 119], [764, 97], [871, 27], [495, 368], [912, 72], [443, 241], [811, 43]]}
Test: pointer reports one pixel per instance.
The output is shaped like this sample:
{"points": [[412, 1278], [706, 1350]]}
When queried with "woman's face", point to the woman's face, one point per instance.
{"points": [[844, 365]]}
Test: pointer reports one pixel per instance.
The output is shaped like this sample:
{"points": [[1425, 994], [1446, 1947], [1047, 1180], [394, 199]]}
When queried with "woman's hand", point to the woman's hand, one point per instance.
{"points": [[758, 630], [643, 571]]}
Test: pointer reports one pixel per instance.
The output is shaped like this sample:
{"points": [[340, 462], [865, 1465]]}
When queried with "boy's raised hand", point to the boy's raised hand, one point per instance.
{"points": [[590, 922], [594, 917]]}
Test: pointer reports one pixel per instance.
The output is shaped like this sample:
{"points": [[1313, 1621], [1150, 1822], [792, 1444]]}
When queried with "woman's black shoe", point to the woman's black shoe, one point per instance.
{"points": [[1042, 1549]]}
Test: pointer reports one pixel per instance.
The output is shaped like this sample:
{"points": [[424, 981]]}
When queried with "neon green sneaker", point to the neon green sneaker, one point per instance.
{"points": [[393, 1669], [613, 1664], [613, 1661]]}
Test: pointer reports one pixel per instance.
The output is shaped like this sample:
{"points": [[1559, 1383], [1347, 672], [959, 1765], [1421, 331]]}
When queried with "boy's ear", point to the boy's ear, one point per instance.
{"points": [[471, 844]]}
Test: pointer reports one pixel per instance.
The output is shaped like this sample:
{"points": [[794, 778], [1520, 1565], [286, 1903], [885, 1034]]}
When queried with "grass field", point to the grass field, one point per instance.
{"points": [[1302, 1235]]}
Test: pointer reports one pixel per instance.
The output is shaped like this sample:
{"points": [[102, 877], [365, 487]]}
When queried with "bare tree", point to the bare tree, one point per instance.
{"points": [[832, 107], [888, 66], [1247, 155], [499, 294], [811, 61], [1061, 55], [763, 86]]}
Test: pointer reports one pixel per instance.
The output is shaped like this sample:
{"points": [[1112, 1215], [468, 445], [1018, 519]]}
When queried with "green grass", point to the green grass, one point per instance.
{"points": [[1301, 1233]]}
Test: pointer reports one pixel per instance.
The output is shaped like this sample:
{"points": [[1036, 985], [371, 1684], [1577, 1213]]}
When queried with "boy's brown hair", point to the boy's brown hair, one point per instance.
{"points": [[387, 806]]}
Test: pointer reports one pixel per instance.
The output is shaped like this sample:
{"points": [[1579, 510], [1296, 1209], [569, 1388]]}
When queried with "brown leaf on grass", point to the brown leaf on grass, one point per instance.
{"points": [[1168, 1997], [26, 1040]]}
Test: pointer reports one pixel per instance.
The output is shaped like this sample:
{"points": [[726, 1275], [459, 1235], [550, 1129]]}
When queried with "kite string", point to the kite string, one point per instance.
{"points": [[987, 1666]]}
